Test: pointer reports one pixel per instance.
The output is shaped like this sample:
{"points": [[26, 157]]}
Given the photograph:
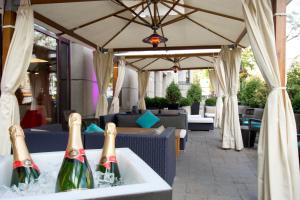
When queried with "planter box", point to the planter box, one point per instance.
{"points": [[140, 181]]}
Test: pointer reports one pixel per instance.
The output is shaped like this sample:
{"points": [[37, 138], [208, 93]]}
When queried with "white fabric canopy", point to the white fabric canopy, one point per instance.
{"points": [[16, 65], [278, 167], [212, 80], [103, 64], [221, 87], [143, 77], [231, 130], [115, 104]]}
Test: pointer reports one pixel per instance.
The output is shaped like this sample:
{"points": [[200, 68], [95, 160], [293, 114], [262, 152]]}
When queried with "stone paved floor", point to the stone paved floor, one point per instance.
{"points": [[206, 172]]}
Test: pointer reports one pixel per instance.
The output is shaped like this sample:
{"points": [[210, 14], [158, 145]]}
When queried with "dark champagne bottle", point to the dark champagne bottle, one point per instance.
{"points": [[24, 169], [108, 166], [75, 172]]}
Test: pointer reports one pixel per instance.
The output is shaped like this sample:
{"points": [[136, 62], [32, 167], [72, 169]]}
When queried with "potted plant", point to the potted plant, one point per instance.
{"points": [[173, 96], [186, 103], [195, 94]]}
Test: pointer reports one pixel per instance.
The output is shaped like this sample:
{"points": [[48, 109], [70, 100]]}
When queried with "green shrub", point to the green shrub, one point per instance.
{"points": [[293, 80], [211, 101], [173, 93], [296, 103], [195, 93], [253, 93], [185, 102], [156, 102]]}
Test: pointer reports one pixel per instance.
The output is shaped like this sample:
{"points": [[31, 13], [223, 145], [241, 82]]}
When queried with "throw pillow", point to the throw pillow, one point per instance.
{"points": [[147, 120], [159, 130], [92, 128]]}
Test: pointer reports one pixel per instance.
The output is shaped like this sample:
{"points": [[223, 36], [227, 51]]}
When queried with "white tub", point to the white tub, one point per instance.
{"points": [[141, 182]]}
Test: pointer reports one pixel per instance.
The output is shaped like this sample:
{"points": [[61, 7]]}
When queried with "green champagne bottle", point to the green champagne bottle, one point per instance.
{"points": [[108, 166], [24, 169], [75, 172]]}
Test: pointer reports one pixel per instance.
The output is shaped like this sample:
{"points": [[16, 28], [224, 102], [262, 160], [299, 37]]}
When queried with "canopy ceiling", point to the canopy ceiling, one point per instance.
{"points": [[120, 24]]}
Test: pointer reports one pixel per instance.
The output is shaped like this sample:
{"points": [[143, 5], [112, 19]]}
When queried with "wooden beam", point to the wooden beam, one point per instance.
{"points": [[133, 66], [57, 1], [190, 68], [170, 56], [178, 18], [241, 36], [104, 17], [201, 25], [170, 9], [9, 19], [167, 48], [133, 12], [63, 29], [207, 11], [279, 10], [124, 27], [134, 21], [153, 61]]}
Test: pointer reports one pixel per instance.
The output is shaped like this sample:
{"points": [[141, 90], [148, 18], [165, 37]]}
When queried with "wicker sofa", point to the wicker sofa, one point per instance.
{"points": [[158, 151]]}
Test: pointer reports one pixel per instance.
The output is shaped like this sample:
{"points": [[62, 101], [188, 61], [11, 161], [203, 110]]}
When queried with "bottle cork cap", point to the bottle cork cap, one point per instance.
{"points": [[16, 131], [74, 119]]}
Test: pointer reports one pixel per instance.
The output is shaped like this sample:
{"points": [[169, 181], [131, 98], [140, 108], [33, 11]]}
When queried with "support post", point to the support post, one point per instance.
{"points": [[279, 11]]}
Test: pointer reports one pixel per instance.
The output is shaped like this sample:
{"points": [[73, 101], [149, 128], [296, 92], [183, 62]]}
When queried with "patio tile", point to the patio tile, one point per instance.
{"points": [[207, 172]]}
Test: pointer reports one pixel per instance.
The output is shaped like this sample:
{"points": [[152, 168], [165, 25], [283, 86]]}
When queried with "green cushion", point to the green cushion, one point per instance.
{"points": [[147, 120], [92, 128]]}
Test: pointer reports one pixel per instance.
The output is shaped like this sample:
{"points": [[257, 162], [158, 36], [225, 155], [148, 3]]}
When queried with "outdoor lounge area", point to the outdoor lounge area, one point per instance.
{"points": [[149, 100]]}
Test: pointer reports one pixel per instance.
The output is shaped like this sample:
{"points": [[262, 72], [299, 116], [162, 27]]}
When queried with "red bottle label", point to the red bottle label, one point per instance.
{"points": [[106, 161], [25, 163], [75, 154]]}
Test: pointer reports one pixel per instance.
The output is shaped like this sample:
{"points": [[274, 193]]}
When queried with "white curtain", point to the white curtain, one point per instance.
{"points": [[221, 87], [103, 63], [212, 80], [16, 65], [278, 167], [115, 104], [231, 130], [143, 77]]}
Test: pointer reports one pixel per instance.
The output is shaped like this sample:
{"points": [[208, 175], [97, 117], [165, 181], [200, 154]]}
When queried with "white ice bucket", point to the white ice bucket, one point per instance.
{"points": [[140, 181]]}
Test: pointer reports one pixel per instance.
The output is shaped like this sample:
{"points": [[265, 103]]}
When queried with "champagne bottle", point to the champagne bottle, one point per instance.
{"points": [[75, 172], [24, 169], [108, 166]]}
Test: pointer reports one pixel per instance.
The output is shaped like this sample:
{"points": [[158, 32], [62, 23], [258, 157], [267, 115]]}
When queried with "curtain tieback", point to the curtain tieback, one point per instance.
{"points": [[278, 88]]}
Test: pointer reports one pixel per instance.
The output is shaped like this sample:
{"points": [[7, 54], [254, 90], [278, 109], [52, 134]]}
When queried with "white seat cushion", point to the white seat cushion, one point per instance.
{"points": [[182, 133], [199, 119], [211, 115]]}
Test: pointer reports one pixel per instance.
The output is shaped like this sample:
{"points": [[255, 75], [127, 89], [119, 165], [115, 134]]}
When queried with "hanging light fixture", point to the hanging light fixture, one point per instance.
{"points": [[155, 39], [176, 67]]}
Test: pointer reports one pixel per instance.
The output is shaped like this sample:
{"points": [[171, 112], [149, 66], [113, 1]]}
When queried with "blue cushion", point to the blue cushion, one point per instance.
{"points": [[92, 128], [298, 144], [147, 120]]}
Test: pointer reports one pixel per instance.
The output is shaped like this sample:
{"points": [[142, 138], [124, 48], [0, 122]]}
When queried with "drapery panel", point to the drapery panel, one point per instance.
{"points": [[143, 77], [17, 62], [221, 87], [103, 63], [231, 130], [115, 104], [212, 80], [278, 167]]}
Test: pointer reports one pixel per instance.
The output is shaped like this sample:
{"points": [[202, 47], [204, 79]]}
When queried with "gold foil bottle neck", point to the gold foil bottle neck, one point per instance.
{"points": [[17, 138], [16, 131], [109, 142], [75, 141]]}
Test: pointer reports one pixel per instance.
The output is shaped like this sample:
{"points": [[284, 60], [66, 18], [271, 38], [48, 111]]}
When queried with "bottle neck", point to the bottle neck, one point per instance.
{"points": [[75, 141], [109, 146], [20, 150]]}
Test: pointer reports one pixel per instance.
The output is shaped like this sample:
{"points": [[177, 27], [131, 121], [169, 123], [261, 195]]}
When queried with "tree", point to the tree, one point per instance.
{"points": [[293, 24], [195, 93], [293, 80], [173, 93]]}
